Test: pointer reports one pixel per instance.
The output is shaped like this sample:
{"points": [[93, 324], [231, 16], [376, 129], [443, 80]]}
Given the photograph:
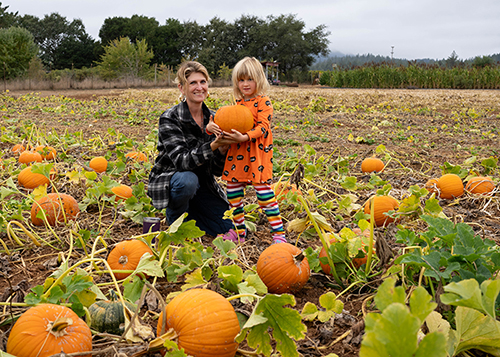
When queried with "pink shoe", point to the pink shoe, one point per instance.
{"points": [[279, 239], [232, 236]]}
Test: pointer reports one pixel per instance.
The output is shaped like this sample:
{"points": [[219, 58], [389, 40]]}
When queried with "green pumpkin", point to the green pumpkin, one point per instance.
{"points": [[107, 315]]}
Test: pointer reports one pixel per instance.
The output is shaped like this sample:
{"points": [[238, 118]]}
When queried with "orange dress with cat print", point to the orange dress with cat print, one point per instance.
{"points": [[252, 161]]}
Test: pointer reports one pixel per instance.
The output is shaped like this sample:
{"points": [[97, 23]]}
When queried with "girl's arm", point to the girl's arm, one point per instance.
{"points": [[263, 120]]}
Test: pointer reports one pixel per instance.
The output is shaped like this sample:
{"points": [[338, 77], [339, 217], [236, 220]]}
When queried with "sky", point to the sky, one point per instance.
{"points": [[410, 29]]}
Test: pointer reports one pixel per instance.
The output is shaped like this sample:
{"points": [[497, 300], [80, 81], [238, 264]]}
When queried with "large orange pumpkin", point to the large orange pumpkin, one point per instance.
{"points": [[480, 185], [28, 156], [51, 204], [18, 148], [126, 256], [283, 268], [382, 205], [47, 152], [356, 262], [205, 322], [372, 164], [47, 329], [30, 180], [237, 117], [122, 192], [450, 186], [98, 164]]}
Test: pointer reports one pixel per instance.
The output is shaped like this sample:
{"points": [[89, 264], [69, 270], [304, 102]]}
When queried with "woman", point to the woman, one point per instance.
{"points": [[182, 179]]}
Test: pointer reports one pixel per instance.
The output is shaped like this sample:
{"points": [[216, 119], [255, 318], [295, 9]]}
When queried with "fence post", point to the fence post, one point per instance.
{"points": [[4, 80]]}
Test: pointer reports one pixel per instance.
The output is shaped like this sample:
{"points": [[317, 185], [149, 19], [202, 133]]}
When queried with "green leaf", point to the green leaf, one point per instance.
{"points": [[194, 279], [285, 324], [226, 248], [232, 275], [254, 280], [132, 288], [433, 344], [349, 183], [309, 311], [149, 266], [387, 294], [330, 303], [420, 303]]}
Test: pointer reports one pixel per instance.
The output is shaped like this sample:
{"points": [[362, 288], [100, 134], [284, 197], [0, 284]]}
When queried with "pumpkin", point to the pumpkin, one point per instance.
{"points": [[356, 262], [382, 204], [137, 156], [47, 152], [237, 117], [372, 164], [282, 189], [49, 329], [30, 180], [283, 268], [205, 322], [51, 204], [18, 148], [480, 185], [108, 315], [122, 192], [450, 186], [431, 185], [98, 164], [27, 157], [126, 256]]}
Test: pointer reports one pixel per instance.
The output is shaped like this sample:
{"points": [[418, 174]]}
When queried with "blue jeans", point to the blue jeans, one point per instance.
{"points": [[205, 207]]}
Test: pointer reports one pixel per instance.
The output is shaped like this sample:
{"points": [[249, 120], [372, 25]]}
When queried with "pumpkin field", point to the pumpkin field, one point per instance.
{"points": [[391, 205]]}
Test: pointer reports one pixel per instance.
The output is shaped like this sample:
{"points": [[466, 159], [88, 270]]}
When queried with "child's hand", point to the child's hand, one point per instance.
{"points": [[237, 136], [212, 127]]}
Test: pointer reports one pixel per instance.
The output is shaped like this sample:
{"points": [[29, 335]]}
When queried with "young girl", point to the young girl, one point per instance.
{"points": [[250, 159]]}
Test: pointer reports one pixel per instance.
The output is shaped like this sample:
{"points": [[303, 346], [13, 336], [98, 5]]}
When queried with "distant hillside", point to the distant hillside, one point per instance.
{"points": [[339, 60]]}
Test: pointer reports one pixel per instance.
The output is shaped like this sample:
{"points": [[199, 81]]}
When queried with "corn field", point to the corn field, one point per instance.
{"points": [[425, 77]]}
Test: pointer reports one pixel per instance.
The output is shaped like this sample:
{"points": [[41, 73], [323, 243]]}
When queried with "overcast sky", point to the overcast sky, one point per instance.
{"points": [[416, 28]]}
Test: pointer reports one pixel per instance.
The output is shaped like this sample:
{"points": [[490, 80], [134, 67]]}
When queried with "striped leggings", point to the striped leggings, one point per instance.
{"points": [[267, 202]]}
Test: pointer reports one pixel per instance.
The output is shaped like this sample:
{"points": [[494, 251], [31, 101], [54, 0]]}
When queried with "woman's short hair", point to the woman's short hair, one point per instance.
{"points": [[187, 68], [249, 67]]}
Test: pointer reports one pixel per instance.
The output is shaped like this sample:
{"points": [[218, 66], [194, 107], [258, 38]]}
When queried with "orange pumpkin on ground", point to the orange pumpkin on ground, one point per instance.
{"points": [[237, 117], [137, 156], [431, 185], [126, 256], [480, 185], [205, 322], [356, 262], [122, 192], [18, 148], [450, 186], [98, 164], [48, 329], [30, 180], [27, 157], [51, 204], [382, 205], [283, 268], [372, 164], [281, 190], [47, 152]]}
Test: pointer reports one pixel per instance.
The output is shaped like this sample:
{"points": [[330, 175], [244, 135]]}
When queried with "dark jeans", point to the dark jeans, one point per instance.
{"points": [[205, 207]]}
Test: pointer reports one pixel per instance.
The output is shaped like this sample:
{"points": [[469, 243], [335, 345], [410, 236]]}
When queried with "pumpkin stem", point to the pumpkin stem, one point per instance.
{"points": [[299, 258], [57, 327], [123, 260]]}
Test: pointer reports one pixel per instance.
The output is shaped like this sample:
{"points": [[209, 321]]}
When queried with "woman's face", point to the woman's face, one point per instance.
{"points": [[196, 88]]}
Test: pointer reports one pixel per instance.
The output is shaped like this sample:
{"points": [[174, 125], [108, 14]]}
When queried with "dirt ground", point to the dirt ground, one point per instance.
{"points": [[421, 129]]}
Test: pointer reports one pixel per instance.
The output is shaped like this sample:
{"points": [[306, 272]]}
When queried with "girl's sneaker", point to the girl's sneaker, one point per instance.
{"points": [[279, 238], [232, 236]]}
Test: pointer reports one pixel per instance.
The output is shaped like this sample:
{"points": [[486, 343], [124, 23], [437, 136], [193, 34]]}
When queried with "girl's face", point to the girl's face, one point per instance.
{"points": [[196, 88], [247, 87]]}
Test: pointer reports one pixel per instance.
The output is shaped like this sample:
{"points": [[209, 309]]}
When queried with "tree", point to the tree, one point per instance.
{"points": [[168, 48], [125, 59], [453, 60], [7, 19], [17, 49], [75, 52], [53, 31], [481, 62]]}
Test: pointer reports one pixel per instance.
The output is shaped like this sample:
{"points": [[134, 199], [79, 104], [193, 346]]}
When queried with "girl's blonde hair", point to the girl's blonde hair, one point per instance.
{"points": [[249, 67]]}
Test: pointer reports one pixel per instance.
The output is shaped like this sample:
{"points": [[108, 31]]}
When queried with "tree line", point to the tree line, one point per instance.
{"points": [[61, 44]]}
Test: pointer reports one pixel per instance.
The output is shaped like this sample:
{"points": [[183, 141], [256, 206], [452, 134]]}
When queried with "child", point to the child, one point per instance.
{"points": [[250, 159]]}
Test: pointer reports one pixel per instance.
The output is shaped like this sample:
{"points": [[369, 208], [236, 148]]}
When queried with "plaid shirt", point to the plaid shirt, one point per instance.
{"points": [[183, 146]]}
